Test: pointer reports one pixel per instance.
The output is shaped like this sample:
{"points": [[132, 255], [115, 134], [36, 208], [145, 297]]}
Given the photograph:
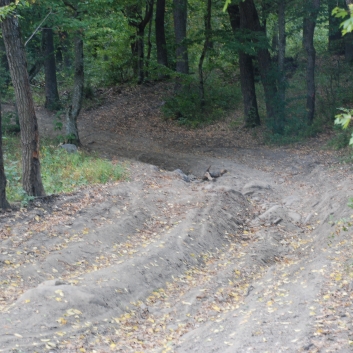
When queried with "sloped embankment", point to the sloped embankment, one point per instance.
{"points": [[78, 267]]}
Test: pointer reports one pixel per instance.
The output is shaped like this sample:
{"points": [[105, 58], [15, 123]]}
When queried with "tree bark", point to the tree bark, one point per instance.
{"points": [[74, 109], [3, 201], [335, 39], [149, 45], [247, 81], [62, 56], [250, 18], [52, 101], [161, 44], [180, 22], [310, 23], [281, 59], [206, 46], [31, 177], [135, 20]]}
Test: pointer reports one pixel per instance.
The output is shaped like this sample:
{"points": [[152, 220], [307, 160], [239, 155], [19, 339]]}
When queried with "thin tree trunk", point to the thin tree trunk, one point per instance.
{"points": [[180, 22], [62, 49], [249, 15], [74, 109], [348, 39], [206, 46], [35, 69], [135, 19], [149, 44], [247, 81], [161, 44], [335, 39], [140, 54], [52, 101], [3, 201], [31, 177], [310, 23], [281, 59]]}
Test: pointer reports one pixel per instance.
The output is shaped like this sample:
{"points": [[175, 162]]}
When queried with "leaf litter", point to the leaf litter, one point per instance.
{"points": [[159, 265]]}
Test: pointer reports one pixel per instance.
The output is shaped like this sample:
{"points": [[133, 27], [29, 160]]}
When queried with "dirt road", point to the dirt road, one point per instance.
{"points": [[258, 261]]}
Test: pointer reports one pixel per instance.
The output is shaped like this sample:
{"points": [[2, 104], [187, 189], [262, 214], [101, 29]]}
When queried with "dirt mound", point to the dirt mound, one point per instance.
{"points": [[258, 260]]}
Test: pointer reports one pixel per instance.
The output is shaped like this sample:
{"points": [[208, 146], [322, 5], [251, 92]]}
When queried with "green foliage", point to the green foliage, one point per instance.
{"points": [[185, 106], [61, 171], [343, 119], [10, 123], [346, 25], [341, 138]]}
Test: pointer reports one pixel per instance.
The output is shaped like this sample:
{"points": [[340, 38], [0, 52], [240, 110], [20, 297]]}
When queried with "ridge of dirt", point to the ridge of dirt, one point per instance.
{"points": [[258, 261]]}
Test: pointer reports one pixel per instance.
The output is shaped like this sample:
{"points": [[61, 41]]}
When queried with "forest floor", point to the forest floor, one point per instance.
{"points": [[260, 260]]}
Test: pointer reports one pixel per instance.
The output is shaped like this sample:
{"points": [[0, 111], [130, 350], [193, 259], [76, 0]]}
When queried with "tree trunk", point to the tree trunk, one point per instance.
{"points": [[250, 18], [310, 23], [74, 109], [62, 55], [335, 39], [281, 59], [149, 45], [180, 21], [31, 177], [52, 101], [206, 46], [161, 44], [247, 81], [35, 69], [3, 201], [140, 54], [135, 19], [348, 39]]}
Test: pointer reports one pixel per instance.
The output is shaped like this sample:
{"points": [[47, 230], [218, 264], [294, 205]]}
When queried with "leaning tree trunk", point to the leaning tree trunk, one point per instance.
{"points": [[31, 177], [180, 21], [247, 81], [249, 15], [3, 202], [74, 109], [161, 44], [310, 23], [52, 101]]}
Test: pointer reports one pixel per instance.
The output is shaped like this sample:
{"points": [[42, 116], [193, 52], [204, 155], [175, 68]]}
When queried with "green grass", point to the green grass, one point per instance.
{"points": [[61, 171]]}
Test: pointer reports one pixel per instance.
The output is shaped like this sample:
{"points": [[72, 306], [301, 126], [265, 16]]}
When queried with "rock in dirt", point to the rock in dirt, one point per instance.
{"points": [[183, 176], [278, 215], [69, 147], [256, 187]]}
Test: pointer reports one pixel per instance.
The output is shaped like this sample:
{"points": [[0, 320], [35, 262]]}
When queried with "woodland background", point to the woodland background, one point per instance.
{"points": [[285, 62]]}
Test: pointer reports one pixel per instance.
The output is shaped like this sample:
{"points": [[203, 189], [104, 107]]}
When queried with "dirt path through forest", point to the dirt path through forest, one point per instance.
{"points": [[258, 261]]}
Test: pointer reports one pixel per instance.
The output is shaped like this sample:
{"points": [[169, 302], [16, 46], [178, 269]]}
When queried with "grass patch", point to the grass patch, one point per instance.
{"points": [[61, 171]]}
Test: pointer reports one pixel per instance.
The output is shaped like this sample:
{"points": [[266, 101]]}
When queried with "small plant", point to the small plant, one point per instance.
{"points": [[344, 120]]}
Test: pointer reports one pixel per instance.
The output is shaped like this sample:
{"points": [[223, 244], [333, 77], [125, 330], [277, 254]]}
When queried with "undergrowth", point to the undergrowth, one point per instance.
{"points": [[185, 107], [61, 171]]}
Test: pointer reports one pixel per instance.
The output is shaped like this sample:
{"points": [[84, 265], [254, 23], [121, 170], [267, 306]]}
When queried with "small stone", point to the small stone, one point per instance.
{"points": [[69, 147]]}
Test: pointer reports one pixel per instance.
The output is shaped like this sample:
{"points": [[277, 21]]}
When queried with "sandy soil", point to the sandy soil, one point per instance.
{"points": [[258, 261]]}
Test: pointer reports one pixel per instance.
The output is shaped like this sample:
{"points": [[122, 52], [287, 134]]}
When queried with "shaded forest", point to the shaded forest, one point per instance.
{"points": [[285, 64]]}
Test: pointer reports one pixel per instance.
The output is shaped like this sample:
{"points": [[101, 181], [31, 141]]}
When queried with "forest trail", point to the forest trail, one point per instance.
{"points": [[258, 261]]}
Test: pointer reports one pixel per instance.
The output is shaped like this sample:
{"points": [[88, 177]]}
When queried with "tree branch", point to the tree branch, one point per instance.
{"points": [[37, 29]]}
